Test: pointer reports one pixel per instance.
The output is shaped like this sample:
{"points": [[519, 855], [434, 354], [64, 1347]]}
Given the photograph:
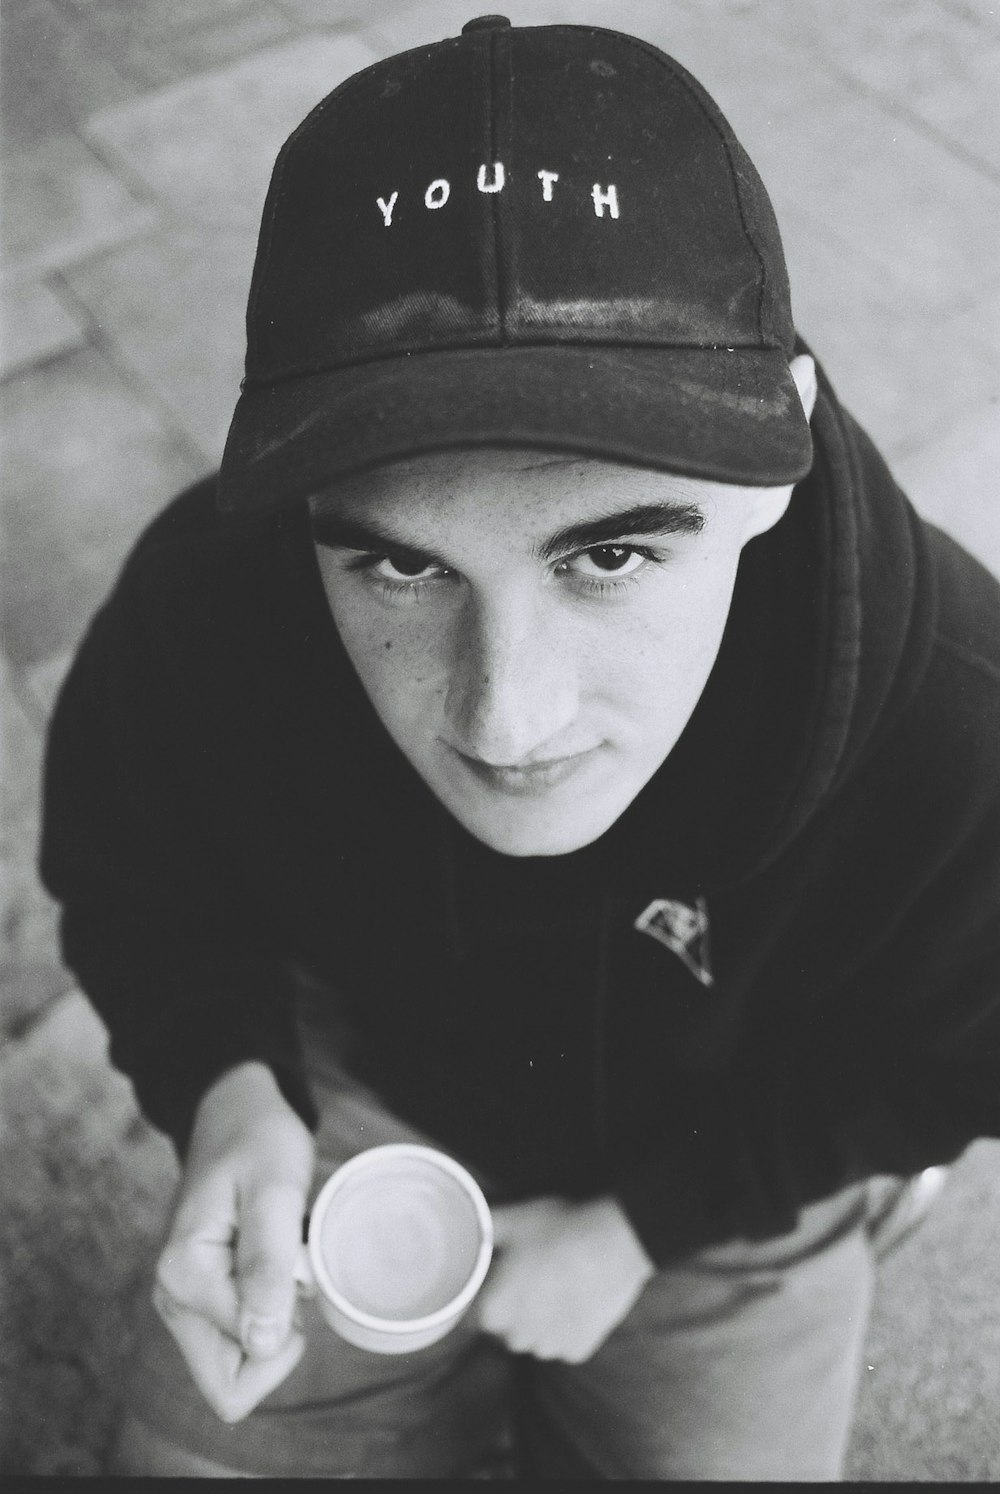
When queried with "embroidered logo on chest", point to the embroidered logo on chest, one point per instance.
{"points": [[683, 930]]}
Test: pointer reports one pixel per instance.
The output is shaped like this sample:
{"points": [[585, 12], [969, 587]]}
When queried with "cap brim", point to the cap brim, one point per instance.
{"points": [[732, 416]]}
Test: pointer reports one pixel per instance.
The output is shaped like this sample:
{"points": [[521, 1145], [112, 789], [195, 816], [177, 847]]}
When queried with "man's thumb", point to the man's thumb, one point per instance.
{"points": [[266, 1254]]}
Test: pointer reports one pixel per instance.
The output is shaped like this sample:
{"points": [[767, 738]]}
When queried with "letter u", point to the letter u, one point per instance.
{"points": [[496, 185]]}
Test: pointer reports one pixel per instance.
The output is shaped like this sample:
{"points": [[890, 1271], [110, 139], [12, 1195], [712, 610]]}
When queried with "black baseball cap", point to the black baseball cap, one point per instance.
{"points": [[541, 236]]}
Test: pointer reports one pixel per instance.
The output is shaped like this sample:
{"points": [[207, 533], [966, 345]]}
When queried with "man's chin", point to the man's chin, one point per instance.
{"points": [[519, 832]]}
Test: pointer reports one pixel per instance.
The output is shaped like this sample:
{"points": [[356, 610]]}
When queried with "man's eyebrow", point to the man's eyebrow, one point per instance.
{"points": [[648, 519], [339, 532], [342, 532]]}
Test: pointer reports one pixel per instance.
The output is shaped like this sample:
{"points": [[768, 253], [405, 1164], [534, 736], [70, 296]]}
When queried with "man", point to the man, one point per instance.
{"points": [[540, 742]]}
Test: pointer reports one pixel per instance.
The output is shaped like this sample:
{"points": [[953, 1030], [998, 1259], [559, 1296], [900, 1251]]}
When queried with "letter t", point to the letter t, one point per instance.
{"points": [[547, 178]]}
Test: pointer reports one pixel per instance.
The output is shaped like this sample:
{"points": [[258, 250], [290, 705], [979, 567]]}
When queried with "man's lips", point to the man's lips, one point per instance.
{"points": [[528, 778]]}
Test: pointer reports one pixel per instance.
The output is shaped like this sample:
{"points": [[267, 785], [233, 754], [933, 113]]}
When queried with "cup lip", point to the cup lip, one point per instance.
{"points": [[362, 1162]]}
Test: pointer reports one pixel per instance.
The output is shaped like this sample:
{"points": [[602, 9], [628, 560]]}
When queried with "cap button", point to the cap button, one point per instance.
{"points": [[487, 23]]}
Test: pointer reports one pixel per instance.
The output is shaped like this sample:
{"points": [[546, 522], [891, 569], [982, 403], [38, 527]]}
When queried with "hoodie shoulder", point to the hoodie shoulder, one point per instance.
{"points": [[199, 580], [918, 670], [953, 725], [222, 613], [968, 620]]}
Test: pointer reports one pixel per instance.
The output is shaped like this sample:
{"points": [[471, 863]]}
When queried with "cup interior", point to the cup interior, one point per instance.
{"points": [[400, 1237]]}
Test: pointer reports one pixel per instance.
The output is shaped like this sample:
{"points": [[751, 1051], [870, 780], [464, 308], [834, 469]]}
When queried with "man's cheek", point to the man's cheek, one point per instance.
{"points": [[401, 679]]}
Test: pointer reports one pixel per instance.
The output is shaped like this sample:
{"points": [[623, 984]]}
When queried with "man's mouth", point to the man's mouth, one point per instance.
{"points": [[526, 779]]}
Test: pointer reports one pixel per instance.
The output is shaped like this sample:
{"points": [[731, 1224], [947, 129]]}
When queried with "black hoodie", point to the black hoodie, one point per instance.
{"points": [[819, 858]]}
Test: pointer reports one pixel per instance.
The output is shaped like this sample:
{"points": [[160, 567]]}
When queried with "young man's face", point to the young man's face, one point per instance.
{"points": [[534, 631]]}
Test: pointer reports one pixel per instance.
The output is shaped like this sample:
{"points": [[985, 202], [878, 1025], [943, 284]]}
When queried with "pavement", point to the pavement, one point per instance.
{"points": [[138, 142]]}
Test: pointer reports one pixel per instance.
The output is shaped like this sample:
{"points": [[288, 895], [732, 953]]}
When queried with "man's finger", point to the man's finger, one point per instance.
{"points": [[231, 1383], [197, 1274], [267, 1251]]}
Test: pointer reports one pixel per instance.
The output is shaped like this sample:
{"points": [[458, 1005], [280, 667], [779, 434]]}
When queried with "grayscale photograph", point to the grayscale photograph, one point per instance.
{"points": [[500, 740]]}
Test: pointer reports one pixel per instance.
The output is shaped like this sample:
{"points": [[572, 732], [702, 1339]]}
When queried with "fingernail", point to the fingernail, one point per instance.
{"points": [[262, 1335]]}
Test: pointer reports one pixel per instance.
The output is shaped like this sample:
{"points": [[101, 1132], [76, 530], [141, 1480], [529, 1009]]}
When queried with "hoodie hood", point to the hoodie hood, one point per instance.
{"points": [[874, 610]]}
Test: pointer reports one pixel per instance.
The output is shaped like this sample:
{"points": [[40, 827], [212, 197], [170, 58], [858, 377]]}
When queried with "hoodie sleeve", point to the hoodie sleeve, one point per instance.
{"points": [[185, 980]]}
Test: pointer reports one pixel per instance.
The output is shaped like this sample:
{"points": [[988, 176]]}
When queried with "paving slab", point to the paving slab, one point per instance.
{"points": [[159, 44], [34, 325], [155, 44], [86, 1188], [60, 204], [118, 18], [929, 219], [88, 461], [907, 372], [955, 482], [174, 306], [931, 1383], [30, 970], [341, 14], [206, 147], [937, 62], [975, 331], [250, 27], [53, 71], [40, 684]]}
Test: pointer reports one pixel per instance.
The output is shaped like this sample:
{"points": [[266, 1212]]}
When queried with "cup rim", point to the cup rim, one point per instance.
{"points": [[361, 1162]]}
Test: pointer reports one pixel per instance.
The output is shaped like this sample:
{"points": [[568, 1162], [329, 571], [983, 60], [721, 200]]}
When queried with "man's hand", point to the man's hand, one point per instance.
{"points": [[565, 1276], [225, 1278]]}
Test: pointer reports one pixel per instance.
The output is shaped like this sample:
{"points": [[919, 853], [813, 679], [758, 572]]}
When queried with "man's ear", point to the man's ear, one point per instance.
{"points": [[803, 371], [767, 505]]}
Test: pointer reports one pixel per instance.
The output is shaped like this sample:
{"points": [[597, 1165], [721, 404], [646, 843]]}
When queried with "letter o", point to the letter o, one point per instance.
{"points": [[437, 193]]}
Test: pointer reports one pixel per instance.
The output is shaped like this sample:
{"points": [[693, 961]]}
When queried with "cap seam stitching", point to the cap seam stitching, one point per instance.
{"points": [[499, 285]]}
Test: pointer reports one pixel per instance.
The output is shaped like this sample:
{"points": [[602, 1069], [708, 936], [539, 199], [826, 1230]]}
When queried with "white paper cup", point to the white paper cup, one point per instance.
{"points": [[400, 1240]]}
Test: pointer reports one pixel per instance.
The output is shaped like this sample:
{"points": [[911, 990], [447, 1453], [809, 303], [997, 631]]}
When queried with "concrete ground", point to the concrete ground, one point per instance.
{"points": [[138, 142]]}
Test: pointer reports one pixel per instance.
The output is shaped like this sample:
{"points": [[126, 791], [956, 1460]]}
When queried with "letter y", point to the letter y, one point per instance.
{"points": [[387, 207]]}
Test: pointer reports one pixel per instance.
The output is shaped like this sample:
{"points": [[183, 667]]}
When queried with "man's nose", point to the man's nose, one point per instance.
{"points": [[513, 686]]}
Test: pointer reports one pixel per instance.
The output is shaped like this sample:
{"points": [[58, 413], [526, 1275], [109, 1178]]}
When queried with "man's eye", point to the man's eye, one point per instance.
{"points": [[402, 568], [606, 560]]}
